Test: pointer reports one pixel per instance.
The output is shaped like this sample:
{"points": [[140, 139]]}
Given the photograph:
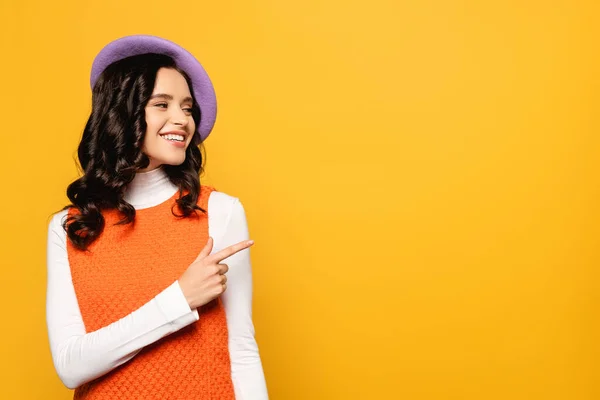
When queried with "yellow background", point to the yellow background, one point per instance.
{"points": [[420, 177]]}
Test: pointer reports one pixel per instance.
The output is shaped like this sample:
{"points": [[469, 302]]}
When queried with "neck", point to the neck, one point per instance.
{"points": [[150, 188]]}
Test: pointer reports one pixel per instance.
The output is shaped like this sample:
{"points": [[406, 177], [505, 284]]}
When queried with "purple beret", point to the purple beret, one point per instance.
{"points": [[141, 44]]}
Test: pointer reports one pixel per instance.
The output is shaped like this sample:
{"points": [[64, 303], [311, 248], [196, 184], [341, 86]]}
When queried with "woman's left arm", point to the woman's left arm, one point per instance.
{"points": [[246, 368]]}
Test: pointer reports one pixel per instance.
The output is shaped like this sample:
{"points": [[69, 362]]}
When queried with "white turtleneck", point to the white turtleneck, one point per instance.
{"points": [[80, 356]]}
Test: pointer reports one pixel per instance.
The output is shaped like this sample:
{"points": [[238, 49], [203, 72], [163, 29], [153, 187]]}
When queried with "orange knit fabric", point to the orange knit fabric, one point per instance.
{"points": [[125, 268]]}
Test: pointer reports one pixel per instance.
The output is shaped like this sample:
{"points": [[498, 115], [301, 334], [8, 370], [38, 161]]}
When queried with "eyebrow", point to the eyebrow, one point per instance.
{"points": [[169, 97]]}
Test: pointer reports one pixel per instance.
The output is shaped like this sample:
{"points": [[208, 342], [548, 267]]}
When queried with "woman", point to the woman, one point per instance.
{"points": [[149, 279]]}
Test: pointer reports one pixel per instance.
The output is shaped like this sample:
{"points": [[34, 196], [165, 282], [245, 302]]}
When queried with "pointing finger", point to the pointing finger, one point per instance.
{"points": [[229, 251]]}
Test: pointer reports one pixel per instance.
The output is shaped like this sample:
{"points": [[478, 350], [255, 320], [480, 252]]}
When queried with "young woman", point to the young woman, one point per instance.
{"points": [[149, 280]]}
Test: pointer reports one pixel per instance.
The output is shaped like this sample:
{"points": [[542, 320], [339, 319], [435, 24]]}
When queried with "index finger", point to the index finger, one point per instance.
{"points": [[229, 251]]}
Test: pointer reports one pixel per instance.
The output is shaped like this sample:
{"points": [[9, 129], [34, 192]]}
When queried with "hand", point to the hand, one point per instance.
{"points": [[205, 278]]}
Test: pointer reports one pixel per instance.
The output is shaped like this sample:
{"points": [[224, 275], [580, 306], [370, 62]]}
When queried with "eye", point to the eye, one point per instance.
{"points": [[162, 105], [188, 110]]}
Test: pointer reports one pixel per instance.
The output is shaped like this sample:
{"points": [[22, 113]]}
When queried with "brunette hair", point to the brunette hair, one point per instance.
{"points": [[110, 151]]}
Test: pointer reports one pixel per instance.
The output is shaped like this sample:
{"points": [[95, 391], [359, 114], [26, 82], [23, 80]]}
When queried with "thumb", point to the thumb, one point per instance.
{"points": [[206, 250]]}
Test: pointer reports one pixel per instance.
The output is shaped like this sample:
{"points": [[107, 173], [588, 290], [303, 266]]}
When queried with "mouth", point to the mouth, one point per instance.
{"points": [[176, 138]]}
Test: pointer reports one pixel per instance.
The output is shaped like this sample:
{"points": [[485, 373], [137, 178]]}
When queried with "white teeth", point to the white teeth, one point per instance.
{"points": [[178, 138]]}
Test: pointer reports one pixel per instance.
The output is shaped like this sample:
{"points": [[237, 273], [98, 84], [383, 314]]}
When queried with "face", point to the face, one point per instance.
{"points": [[169, 121]]}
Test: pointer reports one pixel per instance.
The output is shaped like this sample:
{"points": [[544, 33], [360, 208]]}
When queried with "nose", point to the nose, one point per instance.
{"points": [[179, 118]]}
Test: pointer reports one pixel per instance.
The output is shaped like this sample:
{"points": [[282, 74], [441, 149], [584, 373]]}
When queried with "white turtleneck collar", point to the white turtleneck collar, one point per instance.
{"points": [[148, 189]]}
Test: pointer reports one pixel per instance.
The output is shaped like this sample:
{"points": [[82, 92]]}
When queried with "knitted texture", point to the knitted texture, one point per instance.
{"points": [[124, 269]]}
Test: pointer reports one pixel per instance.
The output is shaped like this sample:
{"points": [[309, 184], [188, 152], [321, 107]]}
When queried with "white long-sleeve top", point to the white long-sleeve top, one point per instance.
{"points": [[80, 356]]}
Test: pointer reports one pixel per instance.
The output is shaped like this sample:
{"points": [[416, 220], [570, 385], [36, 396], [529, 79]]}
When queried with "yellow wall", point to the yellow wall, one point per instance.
{"points": [[420, 177]]}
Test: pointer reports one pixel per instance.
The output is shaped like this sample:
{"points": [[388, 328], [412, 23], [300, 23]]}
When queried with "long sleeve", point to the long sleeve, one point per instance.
{"points": [[81, 356], [246, 368]]}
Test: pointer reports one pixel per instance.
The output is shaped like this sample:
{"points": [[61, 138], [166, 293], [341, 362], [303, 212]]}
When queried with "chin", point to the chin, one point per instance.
{"points": [[174, 161]]}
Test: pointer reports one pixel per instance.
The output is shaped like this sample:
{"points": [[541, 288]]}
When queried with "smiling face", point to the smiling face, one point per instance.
{"points": [[170, 126]]}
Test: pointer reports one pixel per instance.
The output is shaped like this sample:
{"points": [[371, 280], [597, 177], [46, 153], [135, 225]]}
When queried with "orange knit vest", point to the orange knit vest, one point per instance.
{"points": [[125, 268]]}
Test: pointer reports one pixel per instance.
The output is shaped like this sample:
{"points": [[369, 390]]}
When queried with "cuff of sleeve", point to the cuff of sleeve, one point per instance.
{"points": [[184, 321], [173, 304]]}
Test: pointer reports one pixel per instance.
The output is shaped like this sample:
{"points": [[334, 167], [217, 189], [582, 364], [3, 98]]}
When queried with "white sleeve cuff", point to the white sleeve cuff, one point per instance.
{"points": [[174, 306]]}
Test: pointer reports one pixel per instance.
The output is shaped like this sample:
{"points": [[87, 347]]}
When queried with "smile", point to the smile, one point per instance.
{"points": [[174, 138]]}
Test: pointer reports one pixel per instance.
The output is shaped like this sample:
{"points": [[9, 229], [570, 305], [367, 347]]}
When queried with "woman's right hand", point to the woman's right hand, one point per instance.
{"points": [[205, 279]]}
